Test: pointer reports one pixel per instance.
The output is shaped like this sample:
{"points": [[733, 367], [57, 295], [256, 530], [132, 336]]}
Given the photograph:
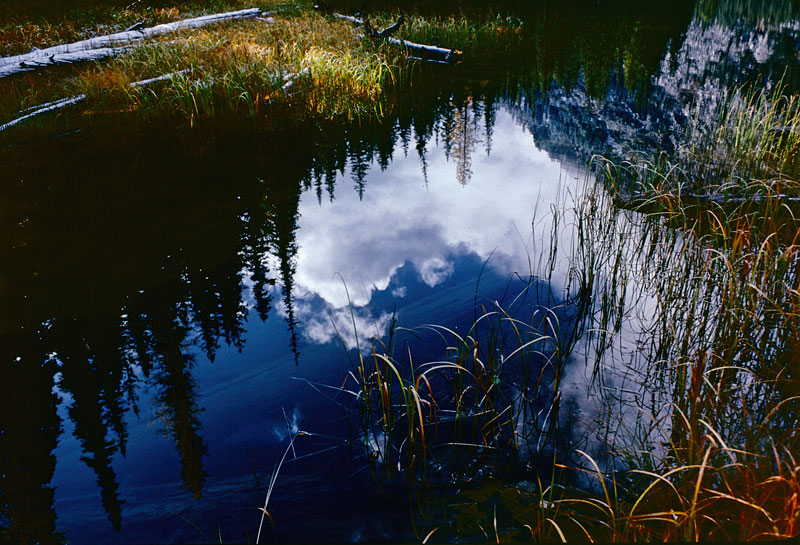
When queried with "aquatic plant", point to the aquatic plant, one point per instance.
{"points": [[747, 151], [690, 333]]}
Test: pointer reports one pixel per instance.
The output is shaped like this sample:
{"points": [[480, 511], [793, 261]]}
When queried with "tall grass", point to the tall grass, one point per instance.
{"points": [[700, 370], [689, 323], [749, 149], [440, 426], [28, 24], [303, 62]]}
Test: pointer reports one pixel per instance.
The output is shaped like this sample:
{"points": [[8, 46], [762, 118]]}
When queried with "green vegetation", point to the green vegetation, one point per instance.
{"points": [[241, 69], [749, 151], [43, 23], [687, 309], [683, 285], [700, 394], [235, 68]]}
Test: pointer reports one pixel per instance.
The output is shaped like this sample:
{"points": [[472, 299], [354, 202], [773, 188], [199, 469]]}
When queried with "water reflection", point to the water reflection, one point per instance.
{"points": [[132, 261]]}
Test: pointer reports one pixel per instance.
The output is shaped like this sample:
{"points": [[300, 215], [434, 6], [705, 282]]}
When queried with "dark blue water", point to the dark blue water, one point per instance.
{"points": [[423, 251], [177, 306]]}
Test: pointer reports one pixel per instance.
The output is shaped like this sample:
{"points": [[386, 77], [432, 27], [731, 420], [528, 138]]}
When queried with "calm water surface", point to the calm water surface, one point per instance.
{"points": [[173, 310], [406, 246]]}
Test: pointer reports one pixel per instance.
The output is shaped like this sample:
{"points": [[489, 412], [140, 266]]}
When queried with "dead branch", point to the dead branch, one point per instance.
{"points": [[33, 111], [420, 51]]}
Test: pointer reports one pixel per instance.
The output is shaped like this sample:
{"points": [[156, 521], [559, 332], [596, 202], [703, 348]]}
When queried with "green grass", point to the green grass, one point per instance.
{"points": [[26, 24], [690, 322], [749, 149], [238, 69]]}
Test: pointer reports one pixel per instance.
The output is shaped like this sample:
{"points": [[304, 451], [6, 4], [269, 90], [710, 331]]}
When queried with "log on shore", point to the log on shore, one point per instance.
{"points": [[33, 111], [104, 46], [65, 58], [43, 108], [421, 51]]}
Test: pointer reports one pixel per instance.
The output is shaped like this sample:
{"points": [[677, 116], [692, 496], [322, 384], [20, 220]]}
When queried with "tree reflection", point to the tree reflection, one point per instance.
{"points": [[27, 440], [125, 256]]}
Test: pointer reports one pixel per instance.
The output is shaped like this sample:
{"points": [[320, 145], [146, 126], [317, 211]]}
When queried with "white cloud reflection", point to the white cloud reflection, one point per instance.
{"points": [[347, 324], [402, 220]]}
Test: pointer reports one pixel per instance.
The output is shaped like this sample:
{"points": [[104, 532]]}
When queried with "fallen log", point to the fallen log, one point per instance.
{"points": [[104, 46], [419, 51], [65, 58], [145, 82], [429, 52], [33, 111], [43, 108]]}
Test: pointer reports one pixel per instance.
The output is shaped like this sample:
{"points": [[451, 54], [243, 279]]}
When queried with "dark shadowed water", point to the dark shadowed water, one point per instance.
{"points": [[172, 305]]}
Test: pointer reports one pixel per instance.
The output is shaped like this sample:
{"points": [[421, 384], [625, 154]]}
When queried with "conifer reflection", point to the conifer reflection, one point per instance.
{"points": [[120, 251], [29, 428]]}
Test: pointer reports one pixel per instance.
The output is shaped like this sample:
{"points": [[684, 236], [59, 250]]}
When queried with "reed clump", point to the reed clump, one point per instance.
{"points": [[446, 429], [485, 40], [748, 151], [696, 311], [689, 327]]}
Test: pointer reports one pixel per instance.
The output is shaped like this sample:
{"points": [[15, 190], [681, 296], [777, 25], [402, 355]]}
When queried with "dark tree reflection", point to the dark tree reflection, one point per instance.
{"points": [[125, 255], [29, 428]]}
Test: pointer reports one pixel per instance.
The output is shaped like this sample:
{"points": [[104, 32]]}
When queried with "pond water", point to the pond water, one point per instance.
{"points": [[175, 308]]}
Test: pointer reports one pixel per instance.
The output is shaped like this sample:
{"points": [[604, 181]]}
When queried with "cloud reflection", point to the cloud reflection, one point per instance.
{"points": [[401, 219]]}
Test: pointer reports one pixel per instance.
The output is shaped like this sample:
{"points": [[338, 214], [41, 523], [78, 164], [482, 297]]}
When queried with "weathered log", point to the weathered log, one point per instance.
{"points": [[145, 82], [65, 58], [33, 111], [104, 46], [429, 52], [43, 108], [420, 51]]}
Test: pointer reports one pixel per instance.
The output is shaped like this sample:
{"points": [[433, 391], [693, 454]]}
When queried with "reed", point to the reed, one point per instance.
{"points": [[708, 352], [688, 321], [747, 150]]}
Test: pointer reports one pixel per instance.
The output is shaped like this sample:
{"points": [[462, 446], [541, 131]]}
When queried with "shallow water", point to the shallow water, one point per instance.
{"points": [[193, 298]]}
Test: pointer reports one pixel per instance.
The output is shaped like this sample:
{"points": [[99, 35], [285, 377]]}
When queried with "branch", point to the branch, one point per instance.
{"points": [[420, 51], [391, 29], [64, 102]]}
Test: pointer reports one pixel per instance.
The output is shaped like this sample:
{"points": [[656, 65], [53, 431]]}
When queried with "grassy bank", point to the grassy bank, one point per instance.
{"points": [[300, 61], [319, 66], [683, 304]]}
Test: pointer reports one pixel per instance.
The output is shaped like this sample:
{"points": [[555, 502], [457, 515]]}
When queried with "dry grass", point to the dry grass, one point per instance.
{"points": [[28, 24], [693, 329], [305, 62]]}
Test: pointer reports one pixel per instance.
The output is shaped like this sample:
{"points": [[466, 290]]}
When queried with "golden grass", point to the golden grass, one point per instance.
{"points": [[314, 65]]}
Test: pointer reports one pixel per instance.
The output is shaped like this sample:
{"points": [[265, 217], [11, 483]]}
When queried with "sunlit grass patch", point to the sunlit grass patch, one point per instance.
{"points": [[312, 65], [42, 23]]}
